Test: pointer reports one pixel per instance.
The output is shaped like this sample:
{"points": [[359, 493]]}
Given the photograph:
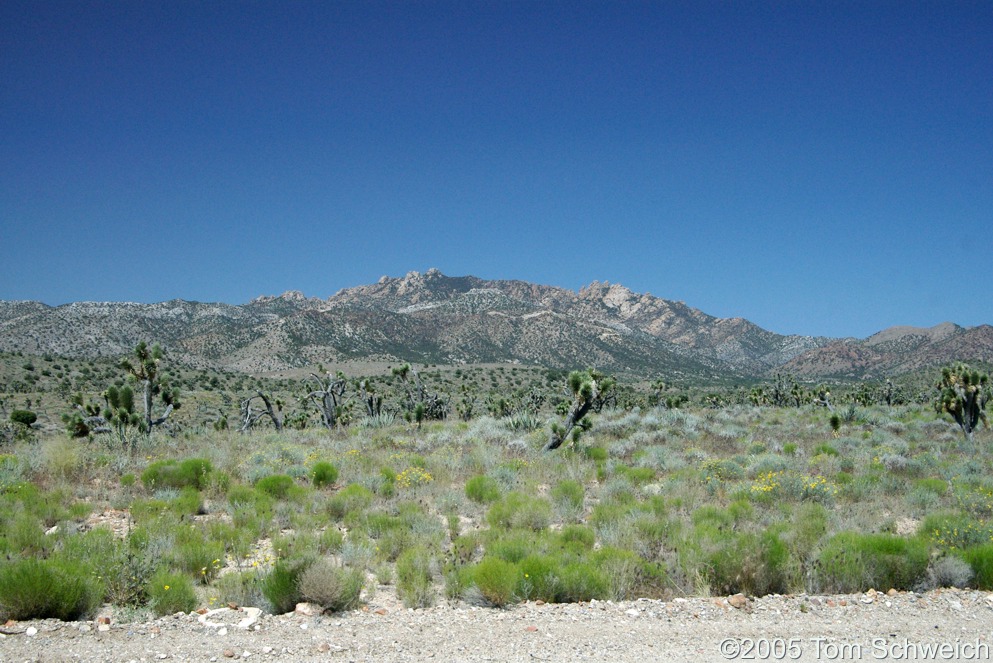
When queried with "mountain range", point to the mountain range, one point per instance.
{"points": [[433, 318]]}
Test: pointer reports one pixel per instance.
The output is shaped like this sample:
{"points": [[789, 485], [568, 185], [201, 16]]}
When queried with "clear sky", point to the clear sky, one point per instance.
{"points": [[822, 168]]}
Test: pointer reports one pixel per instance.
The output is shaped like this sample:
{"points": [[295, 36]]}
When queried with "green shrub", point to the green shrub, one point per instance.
{"points": [[517, 510], [496, 580], [538, 578], [582, 581], [577, 535], [629, 576], [956, 530], [243, 588], [754, 564], [42, 589], [852, 562], [387, 486], [197, 556], [277, 486], [281, 584], [595, 453], [414, 578], [353, 498], [637, 475], [568, 496], [23, 417], [482, 489], [170, 593], [332, 587], [323, 474], [330, 541], [192, 472], [980, 558]]}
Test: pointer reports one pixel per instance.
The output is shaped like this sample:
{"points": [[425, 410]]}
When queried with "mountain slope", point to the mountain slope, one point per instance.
{"points": [[433, 318]]}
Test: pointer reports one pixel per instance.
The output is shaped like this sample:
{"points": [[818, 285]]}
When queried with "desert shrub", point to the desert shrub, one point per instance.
{"points": [[578, 536], [980, 559], [332, 587], [496, 580], [123, 571], [281, 584], [23, 417], [595, 453], [414, 578], [568, 496], [852, 562], [197, 556], [956, 530], [517, 510], [170, 593], [353, 498], [513, 545], [482, 489], [538, 578], [243, 588], [277, 486], [42, 589], [192, 472], [582, 581], [323, 474], [628, 575], [948, 571], [387, 485], [330, 541], [754, 564], [825, 449], [721, 470]]}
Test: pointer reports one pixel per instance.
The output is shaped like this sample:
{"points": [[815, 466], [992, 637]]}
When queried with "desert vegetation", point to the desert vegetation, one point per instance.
{"points": [[473, 484]]}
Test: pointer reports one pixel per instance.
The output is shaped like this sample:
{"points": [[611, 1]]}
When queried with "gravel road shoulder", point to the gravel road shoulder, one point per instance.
{"points": [[939, 625]]}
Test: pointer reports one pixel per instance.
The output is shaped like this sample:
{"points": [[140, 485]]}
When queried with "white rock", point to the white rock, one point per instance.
{"points": [[222, 631], [31, 630]]}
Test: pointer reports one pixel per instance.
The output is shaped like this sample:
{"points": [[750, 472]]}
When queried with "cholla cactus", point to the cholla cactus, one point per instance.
{"points": [[963, 393]]}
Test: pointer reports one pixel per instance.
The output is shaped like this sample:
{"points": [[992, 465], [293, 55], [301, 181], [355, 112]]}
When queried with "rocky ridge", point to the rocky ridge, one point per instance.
{"points": [[433, 318]]}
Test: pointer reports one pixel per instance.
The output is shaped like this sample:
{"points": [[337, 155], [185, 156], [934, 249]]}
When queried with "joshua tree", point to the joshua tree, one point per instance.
{"points": [[144, 369], [432, 405], [963, 393], [85, 418], [588, 388], [373, 402], [250, 416], [329, 397], [824, 398]]}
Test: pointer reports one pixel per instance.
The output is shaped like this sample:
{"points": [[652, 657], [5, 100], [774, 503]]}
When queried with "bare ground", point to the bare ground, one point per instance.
{"points": [[939, 625]]}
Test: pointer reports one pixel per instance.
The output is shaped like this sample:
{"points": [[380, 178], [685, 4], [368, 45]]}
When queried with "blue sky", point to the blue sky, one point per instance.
{"points": [[816, 167]]}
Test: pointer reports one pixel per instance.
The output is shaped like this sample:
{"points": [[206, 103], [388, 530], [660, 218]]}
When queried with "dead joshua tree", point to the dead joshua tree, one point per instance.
{"points": [[250, 416], [421, 403], [373, 402], [329, 397]]}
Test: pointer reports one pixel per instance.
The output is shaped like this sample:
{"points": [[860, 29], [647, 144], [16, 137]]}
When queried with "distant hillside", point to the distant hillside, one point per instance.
{"points": [[435, 318]]}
